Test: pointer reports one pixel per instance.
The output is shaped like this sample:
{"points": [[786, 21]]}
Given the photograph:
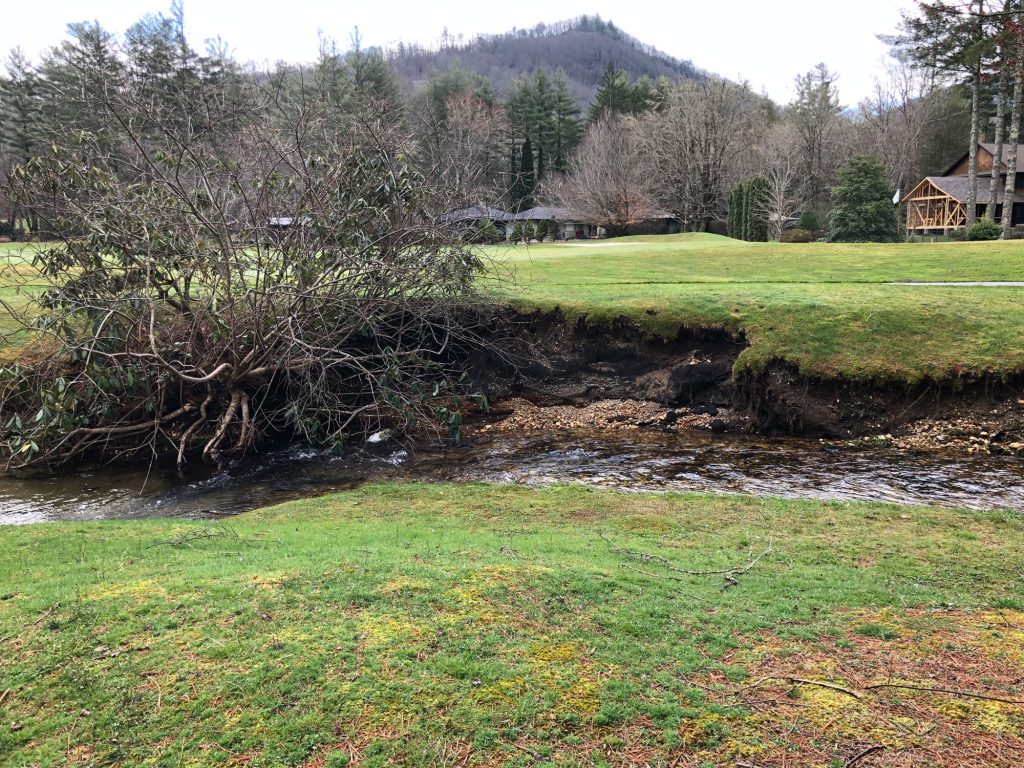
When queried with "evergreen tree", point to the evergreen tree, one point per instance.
{"points": [[526, 178], [20, 109], [567, 122], [734, 215], [542, 107], [757, 219], [862, 209], [614, 95]]}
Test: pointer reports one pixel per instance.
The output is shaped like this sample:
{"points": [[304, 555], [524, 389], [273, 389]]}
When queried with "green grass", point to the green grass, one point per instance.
{"points": [[491, 625], [821, 306]]}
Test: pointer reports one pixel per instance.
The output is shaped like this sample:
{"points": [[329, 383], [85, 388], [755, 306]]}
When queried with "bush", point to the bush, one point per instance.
{"points": [[810, 221], [956, 235], [488, 232], [542, 231], [517, 232], [984, 229], [528, 231], [1014, 233], [797, 235]]}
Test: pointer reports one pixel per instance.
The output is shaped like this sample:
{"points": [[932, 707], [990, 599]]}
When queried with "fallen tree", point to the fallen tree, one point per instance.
{"points": [[227, 269]]}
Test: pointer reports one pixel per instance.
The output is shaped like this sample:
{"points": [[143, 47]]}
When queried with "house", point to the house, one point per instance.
{"points": [[567, 227], [938, 204]]}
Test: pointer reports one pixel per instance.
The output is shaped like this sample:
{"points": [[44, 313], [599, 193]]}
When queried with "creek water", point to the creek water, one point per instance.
{"points": [[632, 460]]}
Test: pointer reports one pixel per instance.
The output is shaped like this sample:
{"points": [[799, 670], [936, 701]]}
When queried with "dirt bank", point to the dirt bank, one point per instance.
{"points": [[579, 374]]}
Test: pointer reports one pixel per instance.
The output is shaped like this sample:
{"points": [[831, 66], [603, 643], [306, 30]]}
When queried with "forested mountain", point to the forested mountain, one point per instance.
{"points": [[582, 47]]}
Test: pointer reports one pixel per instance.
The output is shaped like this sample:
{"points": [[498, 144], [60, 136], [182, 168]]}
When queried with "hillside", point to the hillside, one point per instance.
{"points": [[583, 47]]}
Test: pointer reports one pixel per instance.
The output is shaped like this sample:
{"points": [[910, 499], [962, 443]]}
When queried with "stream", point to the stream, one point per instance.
{"points": [[632, 460]]}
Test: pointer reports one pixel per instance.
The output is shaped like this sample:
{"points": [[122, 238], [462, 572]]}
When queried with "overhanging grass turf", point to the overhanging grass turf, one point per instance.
{"points": [[824, 307]]}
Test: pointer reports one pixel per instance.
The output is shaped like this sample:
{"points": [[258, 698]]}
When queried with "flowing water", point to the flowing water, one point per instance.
{"points": [[634, 460]]}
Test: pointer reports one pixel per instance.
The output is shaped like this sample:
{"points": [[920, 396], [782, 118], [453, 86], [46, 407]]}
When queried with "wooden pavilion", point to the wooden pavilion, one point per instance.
{"points": [[938, 204]]}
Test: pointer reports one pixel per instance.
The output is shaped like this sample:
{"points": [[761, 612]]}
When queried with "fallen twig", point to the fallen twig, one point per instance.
{"points": [[730, 573], [863, 753], [4, 696], [43, 615], [113, 654], [820, 684], [949, 691]]}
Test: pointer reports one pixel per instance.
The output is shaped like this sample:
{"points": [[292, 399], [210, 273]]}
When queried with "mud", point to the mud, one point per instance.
{"points": [[691, 381]]}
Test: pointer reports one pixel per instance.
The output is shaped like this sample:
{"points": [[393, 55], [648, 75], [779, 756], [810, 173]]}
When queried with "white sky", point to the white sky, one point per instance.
{"points": [[763, 42]]}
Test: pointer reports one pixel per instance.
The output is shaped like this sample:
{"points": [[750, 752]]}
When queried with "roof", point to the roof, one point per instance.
{"points": [[545, 213], [958, 187], [990, 147], [476, 213]]}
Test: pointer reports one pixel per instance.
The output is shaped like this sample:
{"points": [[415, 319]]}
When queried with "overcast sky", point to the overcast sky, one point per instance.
{"points": [[765, 43]]}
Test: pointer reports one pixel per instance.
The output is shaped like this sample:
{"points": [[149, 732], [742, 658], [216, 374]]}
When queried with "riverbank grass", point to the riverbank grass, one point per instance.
{"points": [[828, 308], [477, 625]]}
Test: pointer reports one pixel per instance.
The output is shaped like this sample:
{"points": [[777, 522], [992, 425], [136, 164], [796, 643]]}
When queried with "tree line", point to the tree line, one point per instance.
{"points": [[688, 140]]}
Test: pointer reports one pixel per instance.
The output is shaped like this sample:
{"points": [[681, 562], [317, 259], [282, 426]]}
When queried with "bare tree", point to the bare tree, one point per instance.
{"points": [[608, 183], [464, 148], [693, 144], [781, 166], [895, 117], [816, 115], [276, 274]]}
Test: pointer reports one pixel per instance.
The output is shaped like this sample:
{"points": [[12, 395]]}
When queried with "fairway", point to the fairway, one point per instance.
{"points": [[833, 310], [477, 625]]}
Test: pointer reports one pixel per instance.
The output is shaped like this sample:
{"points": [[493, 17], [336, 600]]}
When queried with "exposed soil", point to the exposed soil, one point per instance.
{"points": [[575, 374]]}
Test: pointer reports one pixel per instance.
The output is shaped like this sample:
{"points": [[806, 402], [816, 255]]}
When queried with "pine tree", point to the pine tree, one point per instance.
{"points": [[567, 123], [862, 209], [614, 95], [20, 109]]}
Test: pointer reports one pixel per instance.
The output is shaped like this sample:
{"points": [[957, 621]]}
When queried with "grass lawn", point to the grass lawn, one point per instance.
{"points": [[483, 625], [822, 306]]}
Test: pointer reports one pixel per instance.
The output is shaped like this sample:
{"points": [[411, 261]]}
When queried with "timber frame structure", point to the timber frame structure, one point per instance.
{"points": [[938, 204], [931, 208]]}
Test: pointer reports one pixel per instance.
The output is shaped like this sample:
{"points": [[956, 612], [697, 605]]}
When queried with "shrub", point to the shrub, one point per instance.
{"points": [[797, 235], [810, 221], [1014, 233], [488, 232], [984, 229], [528, 231], [957, 234], [541, 232], [517, 232]]}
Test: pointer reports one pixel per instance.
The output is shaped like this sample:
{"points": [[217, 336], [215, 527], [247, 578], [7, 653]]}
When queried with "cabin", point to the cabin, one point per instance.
{"points": [[566, 226], [938, 204]]}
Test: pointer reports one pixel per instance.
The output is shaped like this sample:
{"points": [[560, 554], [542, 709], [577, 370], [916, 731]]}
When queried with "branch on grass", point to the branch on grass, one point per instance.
{"points": [[731, 573], [948, 691], [190, 538], [862, 754]]}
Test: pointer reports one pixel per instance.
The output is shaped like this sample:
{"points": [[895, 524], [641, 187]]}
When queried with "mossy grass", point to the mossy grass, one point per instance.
{"points": [[425, 625]]}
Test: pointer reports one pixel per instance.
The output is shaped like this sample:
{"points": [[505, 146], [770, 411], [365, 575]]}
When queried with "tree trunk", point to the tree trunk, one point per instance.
{"points": [[972, 162], [997, 154], [1011, 155]]}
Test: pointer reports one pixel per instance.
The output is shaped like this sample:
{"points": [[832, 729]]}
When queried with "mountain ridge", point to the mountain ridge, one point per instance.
{"points": [[583, 47]]}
